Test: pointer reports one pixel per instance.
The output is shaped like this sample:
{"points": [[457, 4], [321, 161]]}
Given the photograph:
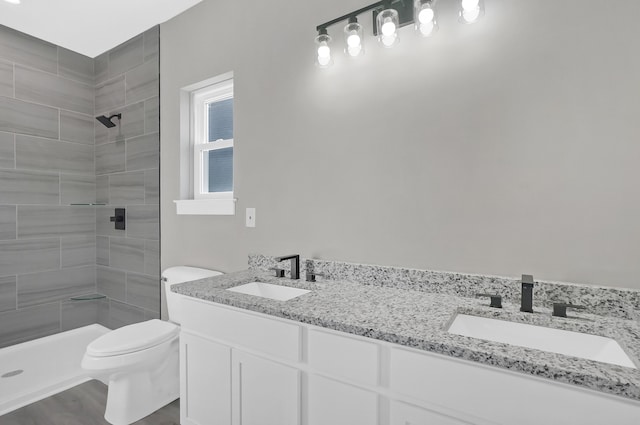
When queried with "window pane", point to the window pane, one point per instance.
{"points": [[218, 170], [220, 120]]}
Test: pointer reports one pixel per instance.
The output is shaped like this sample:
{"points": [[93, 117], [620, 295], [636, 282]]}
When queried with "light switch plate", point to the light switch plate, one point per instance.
{"points": [[251, 217]]}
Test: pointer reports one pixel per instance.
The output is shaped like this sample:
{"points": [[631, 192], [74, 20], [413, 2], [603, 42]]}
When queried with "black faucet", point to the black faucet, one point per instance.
{"points": [[295, 264], [526, 303]]}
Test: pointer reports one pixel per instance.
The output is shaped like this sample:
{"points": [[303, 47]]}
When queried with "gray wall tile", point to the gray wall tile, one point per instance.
{"points": [[131, 125], [152, 187], [103, 312], [28, 187], [104, 227], [35, 221], [77, 189], [48, 89], [76, 127], [22, 256], [102, 250], [21, 117], [29, 323], [34, 153], [7, 222], [6, 79], [7, 150], [152, 258], [126, 254], [152, 43], [102, 189], [75, 66], [127, 188], [143, 291], [8, 295], [110, 158], [78, 251], [148, 314], [56, 285], [126, 56], [101, 68], [121, 314], [143, 152], [110, 95], [26, 50], [112, 283], [142, 221], [142, 82], [152, 115], [76, 314]]}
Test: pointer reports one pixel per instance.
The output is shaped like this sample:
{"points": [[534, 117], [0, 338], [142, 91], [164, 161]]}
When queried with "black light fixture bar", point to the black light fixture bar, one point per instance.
{"points": [[404, 8]]}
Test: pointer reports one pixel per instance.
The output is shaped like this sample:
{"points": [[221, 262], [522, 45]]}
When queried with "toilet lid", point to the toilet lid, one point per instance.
{"points": [[132, 338]]}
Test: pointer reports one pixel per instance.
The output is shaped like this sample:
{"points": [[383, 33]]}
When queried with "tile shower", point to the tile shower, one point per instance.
{"points": [[54, 154]]}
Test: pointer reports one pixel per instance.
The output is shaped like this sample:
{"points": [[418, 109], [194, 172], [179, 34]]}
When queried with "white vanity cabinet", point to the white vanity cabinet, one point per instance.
{"points": [[244, 368]]}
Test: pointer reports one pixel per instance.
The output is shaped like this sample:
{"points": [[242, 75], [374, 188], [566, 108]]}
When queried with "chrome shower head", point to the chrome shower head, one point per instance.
{"points": [[107, 121]]}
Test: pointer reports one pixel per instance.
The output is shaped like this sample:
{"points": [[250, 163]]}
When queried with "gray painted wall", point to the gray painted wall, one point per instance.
{"points": [[505, 147]]}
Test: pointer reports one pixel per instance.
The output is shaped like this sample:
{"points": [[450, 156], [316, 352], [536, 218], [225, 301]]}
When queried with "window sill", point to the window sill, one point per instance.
{"points": [[206, 207]]}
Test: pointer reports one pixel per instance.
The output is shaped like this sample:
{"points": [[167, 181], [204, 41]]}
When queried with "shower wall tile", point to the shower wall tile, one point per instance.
{"points": [[76, 127], [148, 314], [54, 221], [121, 314], [78, 251], [8, 295], [76, 314], [126, 254], [27, 50], [6, 79], [143, 291], [7, 222], [103, 312], [110, 158], [152, 258], [29, 323], [111, 282], [104, 227], [131, 125], [7, 150], [77, 189], [142, 82], [110, 95], [33, 153], [127, 188], [57, 285], [152, 43], [48, 89], [152, 115], [26, 187], [102, 189], [143, 152], [101, 68], [143, 222], [126, 56], [25, 256], [75, 66], [102, 250], [28, 118], [152, 187]]}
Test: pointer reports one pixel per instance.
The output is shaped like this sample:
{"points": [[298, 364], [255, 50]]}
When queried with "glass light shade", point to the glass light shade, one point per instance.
{"points": [[323, 51], [353, 39], [471, 11], [424, 17], [388, 23]]}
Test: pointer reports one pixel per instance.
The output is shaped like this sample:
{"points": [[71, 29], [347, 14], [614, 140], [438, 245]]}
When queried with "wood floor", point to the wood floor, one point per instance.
{"points": [[81, 405]]}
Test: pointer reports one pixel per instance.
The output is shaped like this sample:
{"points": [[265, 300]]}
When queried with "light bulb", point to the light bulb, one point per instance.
{"points": [[324, 51], [426, 15], [470, 4], [388, 40], [470, 15], [354, 50], [353, 40], [324, 60], [388, 28], [426, 29]]}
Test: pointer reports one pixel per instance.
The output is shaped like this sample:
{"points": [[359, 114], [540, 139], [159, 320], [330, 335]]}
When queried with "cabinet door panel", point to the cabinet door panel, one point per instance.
{"points": [[205, 382], [404, 414], [335, 403], [266, 393]]}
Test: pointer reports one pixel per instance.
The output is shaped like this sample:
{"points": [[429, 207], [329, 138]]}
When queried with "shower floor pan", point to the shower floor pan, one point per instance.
{"points": [[40, 368]]}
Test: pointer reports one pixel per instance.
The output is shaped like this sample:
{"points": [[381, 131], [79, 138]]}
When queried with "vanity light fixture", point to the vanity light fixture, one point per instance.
{"points": [[13, 1], [323, 49], [353, 38], [387, 23], [425, 19], [471, 11]]}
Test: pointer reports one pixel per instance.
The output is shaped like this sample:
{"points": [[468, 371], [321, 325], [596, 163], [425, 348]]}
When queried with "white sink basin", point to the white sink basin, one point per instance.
{"points": [[586, 346], [267, 290]]}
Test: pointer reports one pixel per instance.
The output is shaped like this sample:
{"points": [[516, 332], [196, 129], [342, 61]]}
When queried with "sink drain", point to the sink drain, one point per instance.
{"points": [[12, 373]]}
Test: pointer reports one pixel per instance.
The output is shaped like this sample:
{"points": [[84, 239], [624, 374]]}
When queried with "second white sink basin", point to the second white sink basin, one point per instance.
{"points": [[586, 346], [267, 290]]}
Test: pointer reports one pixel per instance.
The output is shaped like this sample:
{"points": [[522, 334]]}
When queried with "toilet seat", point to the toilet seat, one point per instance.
{"points": [[133, 338]]}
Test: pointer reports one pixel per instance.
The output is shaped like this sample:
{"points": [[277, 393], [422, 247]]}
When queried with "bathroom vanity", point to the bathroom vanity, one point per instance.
{"points": [[347, 353]]}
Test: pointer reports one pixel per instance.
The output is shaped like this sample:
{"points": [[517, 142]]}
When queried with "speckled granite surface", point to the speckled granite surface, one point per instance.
{"points": [[419, 319]]}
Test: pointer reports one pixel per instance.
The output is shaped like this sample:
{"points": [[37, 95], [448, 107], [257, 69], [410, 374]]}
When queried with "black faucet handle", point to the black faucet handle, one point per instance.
{"points": [[311, 276], [496, 300], [279, 272], [560, 309]]}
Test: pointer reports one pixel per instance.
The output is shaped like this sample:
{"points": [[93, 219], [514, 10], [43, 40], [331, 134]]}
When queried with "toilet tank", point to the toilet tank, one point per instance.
{"points": [[180, 274]]}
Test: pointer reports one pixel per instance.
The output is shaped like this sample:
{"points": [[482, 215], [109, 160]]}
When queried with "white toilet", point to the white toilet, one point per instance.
{"points": [[140, 362]]}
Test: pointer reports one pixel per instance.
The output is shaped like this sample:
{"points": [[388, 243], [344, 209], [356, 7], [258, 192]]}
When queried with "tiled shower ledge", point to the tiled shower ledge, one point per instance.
{"points": [[415, 317]]}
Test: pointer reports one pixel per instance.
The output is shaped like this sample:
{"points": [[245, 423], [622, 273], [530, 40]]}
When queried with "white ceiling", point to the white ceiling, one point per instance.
{"points": [[89, 27]]}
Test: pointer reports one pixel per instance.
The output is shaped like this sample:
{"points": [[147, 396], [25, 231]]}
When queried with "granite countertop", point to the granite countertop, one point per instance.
{"points": [[420, 320]]}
